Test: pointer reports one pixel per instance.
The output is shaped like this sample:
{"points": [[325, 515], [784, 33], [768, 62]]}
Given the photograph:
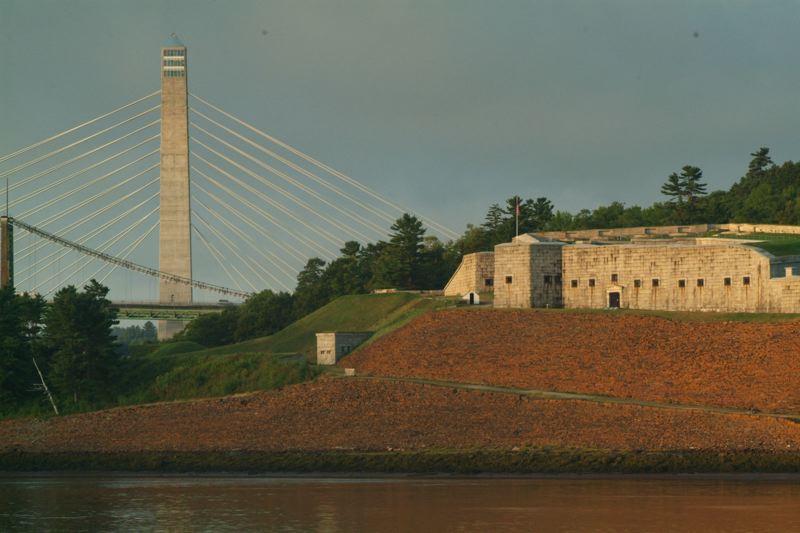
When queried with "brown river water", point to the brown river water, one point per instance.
{"points": [[141, 503]]}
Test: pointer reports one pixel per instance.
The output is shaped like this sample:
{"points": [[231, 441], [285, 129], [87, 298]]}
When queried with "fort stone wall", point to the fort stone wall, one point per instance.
{"points": [[474, 274], [680, 277], [527, 274]]}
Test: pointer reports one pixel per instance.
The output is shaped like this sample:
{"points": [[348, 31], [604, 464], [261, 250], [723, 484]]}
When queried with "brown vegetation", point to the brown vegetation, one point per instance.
{"points": [[353, 414], [729, 364]]}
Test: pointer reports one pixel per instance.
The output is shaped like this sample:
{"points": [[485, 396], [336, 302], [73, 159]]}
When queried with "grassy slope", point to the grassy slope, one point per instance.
{"points": [[777, 244], [180, 370], [363, 312]]}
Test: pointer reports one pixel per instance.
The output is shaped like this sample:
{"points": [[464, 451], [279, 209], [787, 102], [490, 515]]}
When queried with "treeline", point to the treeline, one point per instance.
{"points": [[65, 348], [767, 193], [410, 259]]}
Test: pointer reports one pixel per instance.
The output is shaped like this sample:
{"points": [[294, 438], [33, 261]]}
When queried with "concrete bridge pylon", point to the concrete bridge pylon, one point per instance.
{"points": [[175, 242]]}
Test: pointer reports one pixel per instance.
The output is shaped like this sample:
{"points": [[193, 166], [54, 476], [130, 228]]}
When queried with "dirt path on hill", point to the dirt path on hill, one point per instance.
{"points": [[739, 365], [555, 395]]}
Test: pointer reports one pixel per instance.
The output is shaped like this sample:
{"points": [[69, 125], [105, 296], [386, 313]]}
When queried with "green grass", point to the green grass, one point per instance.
{"points": [[362, 312], [778, 244], [174, 348], [186, 376]]}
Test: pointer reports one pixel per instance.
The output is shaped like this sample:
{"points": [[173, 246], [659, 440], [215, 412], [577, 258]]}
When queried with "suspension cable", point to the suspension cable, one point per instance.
{"points": [[94, 197], [269, 168], [90, 235], [329, 236], [84, 220], [73, 159], [132, 247], [217, 256], [74, 128], [103, 247], [295, 167], [233, 248], [271, 202], [293, 251], [249, 241], [344, 177], [85, 170], [88, 184], [167, 276]]}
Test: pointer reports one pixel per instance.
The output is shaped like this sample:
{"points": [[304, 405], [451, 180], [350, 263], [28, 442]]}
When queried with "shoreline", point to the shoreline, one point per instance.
{"points": [[534, 462]]}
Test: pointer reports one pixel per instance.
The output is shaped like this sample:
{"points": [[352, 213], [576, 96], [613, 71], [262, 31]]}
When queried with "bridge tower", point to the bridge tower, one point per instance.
{"points": [[175, 242], [6, 252]]}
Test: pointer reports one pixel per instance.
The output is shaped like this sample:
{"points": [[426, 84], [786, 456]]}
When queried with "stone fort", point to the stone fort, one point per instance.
{"points": [[677, 272]]}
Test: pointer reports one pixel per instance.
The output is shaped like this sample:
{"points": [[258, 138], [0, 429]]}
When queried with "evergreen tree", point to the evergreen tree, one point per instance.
{"points": [[14, 350], [399, 265], [673, 188], [79, 338], [310, 294], [693, 189], [761, 160]]}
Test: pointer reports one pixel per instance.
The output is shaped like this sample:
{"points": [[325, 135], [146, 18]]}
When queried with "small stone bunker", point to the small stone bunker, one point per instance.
{"points": [[332, 346]]}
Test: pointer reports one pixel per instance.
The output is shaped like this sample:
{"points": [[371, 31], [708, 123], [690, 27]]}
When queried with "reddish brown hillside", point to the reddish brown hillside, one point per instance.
{"points": [[336, 414], [732, 364]]}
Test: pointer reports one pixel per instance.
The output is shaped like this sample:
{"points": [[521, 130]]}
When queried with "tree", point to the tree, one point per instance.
{"points": [[761, 160], [673, 189], [263, 314], [684, 189], [78, 336], [212, 329], [14, 350], [399, 265], [310, 294]]}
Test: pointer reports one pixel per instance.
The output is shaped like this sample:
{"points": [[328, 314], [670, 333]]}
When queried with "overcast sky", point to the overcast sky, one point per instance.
{"points": [[444, 106]]}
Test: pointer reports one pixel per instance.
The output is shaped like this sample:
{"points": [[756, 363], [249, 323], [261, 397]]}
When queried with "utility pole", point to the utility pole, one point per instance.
{"points": [[6, 252], [516, 214], [6, 247]]}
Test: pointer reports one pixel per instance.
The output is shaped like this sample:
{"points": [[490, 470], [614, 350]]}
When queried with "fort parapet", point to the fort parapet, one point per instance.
{"points": [[686, 274]]}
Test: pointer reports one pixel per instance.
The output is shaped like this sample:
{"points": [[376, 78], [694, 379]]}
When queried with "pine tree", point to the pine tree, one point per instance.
{"points": [[761, 160], [78, 335]]}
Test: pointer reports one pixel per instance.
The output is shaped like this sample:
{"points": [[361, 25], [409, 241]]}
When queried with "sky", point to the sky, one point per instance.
{"points": [[443, 106]]}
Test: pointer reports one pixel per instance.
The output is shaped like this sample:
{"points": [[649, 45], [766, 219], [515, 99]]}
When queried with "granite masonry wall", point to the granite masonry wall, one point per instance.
{"points": [[474, 274], [678, 277], [527, 274], [332, 346]]}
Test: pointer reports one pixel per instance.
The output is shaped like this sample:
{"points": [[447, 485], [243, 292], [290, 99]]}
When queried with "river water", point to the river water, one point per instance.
{"points": [[141, 503]]}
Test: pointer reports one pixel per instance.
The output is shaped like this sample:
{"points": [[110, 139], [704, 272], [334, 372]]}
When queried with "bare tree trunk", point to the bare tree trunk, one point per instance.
{"points": [[41, 377]]}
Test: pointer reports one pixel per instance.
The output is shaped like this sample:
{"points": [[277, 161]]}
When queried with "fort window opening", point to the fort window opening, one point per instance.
{"points": [[488, 282], [591, 282], [746, 280], [655, 282], [682, 283], [701, 282], [558, 280], [637, 283], [573, 283], [509, 279], [727, 282], [614, 278], [548, 280]]}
